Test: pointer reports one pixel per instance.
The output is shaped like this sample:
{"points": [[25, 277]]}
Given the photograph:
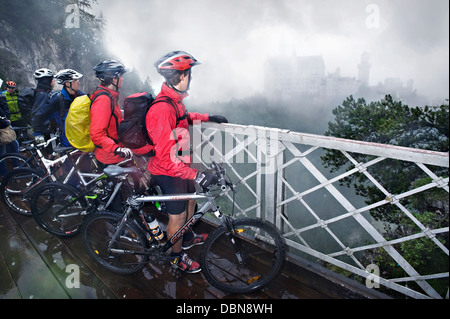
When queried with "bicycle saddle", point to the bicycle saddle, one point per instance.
{"points": [[26, 143], [115, 170]]}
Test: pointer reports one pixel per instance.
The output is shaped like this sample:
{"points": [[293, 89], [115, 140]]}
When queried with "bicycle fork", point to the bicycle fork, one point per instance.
{"points": [[132, 205], [227, 223], [231, 231], [119, 230]]}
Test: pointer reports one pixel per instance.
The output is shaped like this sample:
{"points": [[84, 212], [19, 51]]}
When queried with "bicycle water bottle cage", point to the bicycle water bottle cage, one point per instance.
{"points": [[115, 170]]}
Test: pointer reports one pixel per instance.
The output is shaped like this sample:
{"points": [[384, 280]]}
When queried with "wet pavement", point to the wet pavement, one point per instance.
{"points": [[37, 265]]}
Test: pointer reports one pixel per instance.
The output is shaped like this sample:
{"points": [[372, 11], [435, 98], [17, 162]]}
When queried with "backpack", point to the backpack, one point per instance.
{"points": [[78, 122], [132, 130], [26, 102]]}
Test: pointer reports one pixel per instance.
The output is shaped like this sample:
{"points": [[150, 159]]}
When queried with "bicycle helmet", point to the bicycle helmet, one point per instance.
{"points": [[175, 61], [10, 84], [67, 75], [42, 73], [108, 70]]}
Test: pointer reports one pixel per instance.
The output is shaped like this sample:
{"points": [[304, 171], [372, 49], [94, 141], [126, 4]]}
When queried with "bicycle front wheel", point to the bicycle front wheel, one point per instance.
{"points": [[10, 161], [17, 189], [59, 209], [122, 253], [244, 260]]}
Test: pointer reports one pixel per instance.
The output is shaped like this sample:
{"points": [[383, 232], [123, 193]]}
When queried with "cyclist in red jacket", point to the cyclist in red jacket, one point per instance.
{"points": [[106, 115], [168, 127]]}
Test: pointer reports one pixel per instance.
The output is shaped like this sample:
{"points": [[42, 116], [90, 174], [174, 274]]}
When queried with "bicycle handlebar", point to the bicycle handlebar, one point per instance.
{"points": [[220, 173], [222, 180], [46, 143]]}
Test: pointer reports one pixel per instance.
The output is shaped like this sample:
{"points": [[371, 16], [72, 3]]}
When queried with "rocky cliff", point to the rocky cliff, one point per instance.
{"points": [[52, 34]]}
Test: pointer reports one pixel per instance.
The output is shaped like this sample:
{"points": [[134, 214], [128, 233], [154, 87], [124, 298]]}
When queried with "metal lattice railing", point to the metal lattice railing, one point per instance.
{"points": [[280, 177]]}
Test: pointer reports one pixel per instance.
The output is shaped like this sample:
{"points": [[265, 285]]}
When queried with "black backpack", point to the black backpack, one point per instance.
{"points": [[132, 131], [26, 102]]}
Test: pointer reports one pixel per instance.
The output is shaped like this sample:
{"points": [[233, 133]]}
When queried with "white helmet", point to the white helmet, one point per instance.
{"points": [[42, 73]]}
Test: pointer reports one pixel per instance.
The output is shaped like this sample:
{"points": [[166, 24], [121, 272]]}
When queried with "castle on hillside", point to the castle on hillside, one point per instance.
{"points": [[300, 77]]}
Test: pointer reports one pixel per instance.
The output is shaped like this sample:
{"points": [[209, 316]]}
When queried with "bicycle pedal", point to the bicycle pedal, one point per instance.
{"points": [[175, 270]]}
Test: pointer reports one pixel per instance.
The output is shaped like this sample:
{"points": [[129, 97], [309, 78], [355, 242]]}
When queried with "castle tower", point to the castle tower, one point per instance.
{"points": [[364, 69]]}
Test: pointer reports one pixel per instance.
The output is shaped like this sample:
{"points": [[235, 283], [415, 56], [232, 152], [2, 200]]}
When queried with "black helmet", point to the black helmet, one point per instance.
{"points": [[67, 75], [109, 69]]}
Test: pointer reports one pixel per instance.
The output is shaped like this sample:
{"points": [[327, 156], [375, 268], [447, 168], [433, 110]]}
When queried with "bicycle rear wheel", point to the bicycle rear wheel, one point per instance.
{"points": [[59, 209], [246, 259], [17, 189], [126, 254]]}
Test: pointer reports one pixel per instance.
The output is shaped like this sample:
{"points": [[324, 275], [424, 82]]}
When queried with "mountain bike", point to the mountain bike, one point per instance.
{"points": [[18, 186], [29, 157], [30, 153], [239, 256], [60, 208]]}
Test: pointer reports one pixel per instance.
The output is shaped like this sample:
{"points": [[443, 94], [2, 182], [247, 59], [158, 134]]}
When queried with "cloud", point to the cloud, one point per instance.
{"points": [[233, 38]]}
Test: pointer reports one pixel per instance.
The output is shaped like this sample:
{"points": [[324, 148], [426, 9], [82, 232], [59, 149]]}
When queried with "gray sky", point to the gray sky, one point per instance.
{"points": [[408, 39]]}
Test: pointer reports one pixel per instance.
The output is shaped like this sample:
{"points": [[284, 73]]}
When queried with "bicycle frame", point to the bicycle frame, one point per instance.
{"points": [[51, 166], [36, 157], [49, 169], [135, 203], [240, 256], [95, 178], [84, 194], [208, 206]]}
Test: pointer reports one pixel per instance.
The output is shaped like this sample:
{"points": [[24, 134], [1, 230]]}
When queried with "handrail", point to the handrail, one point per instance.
{"points": [[368, 148]]}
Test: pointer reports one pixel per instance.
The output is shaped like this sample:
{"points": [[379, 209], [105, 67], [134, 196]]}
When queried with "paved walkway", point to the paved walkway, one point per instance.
{"points": [[36, 264]]}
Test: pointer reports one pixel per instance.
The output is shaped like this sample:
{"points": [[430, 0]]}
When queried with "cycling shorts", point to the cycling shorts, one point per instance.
{"points": [[174, 185]]}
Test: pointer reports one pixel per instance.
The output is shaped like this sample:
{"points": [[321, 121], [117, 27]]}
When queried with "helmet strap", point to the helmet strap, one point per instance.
{"points": [[70, 87], [187, 88], [110, 81], [116, 85]]}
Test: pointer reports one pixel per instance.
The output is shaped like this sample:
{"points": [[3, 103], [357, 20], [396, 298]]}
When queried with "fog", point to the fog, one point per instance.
{"points": [[406, 39]]}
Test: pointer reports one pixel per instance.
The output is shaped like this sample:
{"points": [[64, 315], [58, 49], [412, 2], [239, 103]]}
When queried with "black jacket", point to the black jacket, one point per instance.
{"points": [[44, 99], [4, 113]]}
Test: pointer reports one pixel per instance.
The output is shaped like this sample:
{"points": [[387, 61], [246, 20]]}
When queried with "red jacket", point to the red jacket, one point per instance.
{"points": [[104, 127], [170, 139]]}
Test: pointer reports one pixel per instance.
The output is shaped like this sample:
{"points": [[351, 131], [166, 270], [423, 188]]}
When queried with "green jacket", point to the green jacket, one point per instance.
{"points": [[13, 104]]}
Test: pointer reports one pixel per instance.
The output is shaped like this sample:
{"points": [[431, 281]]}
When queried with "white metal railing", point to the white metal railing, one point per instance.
{"points": [[280, 177]]}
